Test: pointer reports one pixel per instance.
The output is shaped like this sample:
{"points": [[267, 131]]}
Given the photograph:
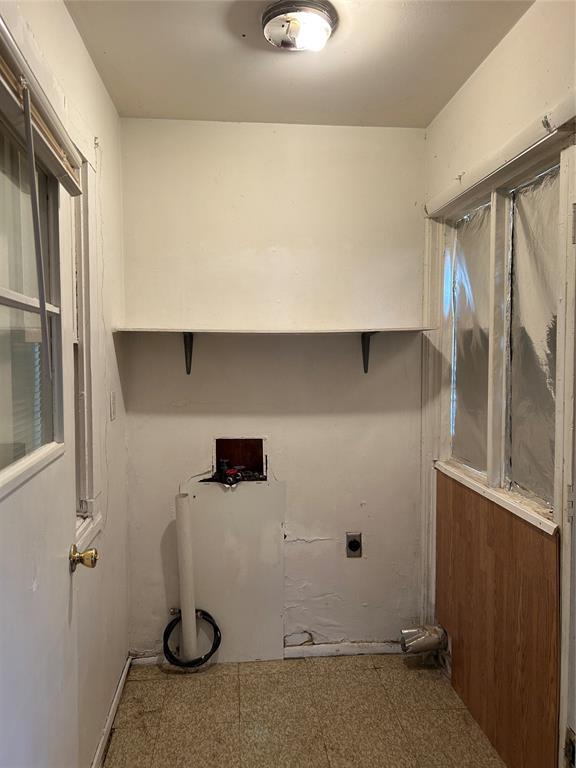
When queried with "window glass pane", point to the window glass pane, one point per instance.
{"points": [[17, 256], [26, 420], [533, 336], [471, 304]]}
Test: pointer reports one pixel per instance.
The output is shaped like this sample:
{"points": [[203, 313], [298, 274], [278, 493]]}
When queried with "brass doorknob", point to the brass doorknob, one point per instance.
{"points": [[89, 557]]}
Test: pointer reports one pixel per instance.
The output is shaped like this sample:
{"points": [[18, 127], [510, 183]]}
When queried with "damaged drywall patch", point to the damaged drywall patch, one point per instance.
{"points": [[298, 638], [331, 599], [306, 540], [306, 637], [325, 598], [302, 537]]}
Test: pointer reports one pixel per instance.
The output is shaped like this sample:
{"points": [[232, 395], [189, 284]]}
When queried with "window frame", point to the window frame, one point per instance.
{"points": [[498, 190], [19, 471], [87, 341]]}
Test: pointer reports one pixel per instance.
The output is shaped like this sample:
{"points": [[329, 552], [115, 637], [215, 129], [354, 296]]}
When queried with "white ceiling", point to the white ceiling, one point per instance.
{"points": [[389, 63]]}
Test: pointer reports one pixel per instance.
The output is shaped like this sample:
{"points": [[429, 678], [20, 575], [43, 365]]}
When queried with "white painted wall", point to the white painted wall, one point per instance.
{"points": [[277, 227], [347, 444], [272, 227], [43, 675], [529, 73]]}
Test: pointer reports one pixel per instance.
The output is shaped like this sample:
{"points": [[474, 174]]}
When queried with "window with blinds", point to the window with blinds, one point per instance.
{"points": [[26, 387]]}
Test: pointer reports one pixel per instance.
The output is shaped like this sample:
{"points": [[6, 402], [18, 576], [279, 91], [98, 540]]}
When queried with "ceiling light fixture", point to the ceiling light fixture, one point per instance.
{"points": [[299, 26]]}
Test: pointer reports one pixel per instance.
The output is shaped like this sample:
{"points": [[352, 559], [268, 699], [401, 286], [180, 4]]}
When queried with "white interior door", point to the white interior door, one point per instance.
{"points": [[38, 653]]}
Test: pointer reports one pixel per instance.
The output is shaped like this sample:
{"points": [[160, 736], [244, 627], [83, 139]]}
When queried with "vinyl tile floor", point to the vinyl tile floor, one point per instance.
{"points": [[336, 712]]}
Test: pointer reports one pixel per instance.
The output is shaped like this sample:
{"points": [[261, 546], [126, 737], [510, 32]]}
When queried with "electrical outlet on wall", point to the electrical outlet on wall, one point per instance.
{"points": [[112, 405], [353, 545]]}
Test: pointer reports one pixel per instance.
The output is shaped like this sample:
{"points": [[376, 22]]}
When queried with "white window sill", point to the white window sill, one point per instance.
{"points": [[530, 511], [21, 471]]}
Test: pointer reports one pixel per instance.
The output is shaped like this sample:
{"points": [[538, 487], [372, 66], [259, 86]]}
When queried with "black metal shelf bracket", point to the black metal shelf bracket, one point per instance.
{"points": [[188, 347], [365, 339]]}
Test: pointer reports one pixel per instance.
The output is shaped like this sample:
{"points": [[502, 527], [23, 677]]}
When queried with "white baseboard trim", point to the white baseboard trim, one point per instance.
{"points": [[147, 661], [302, 651], [101, 749], [339, 649]]}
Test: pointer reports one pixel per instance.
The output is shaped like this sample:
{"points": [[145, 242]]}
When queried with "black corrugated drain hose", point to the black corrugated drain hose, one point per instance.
{"points": [[173, 659]]}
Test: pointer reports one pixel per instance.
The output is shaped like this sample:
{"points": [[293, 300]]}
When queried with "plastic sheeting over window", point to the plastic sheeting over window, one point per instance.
{"points": [[533, 336], [471, 308]]}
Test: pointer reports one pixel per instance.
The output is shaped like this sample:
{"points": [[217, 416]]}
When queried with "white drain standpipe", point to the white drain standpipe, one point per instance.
{"points": [[184, 534]]}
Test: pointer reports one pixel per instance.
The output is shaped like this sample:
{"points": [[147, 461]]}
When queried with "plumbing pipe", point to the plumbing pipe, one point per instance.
{"points": [[184, 535]]}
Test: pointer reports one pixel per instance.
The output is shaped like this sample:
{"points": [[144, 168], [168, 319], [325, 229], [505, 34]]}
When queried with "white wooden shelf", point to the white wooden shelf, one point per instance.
{"points": [[188, 336], [277, 331]]}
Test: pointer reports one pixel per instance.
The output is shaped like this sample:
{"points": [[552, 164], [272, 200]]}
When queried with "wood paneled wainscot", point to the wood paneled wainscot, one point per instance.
{"points": [[498, 597]]}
